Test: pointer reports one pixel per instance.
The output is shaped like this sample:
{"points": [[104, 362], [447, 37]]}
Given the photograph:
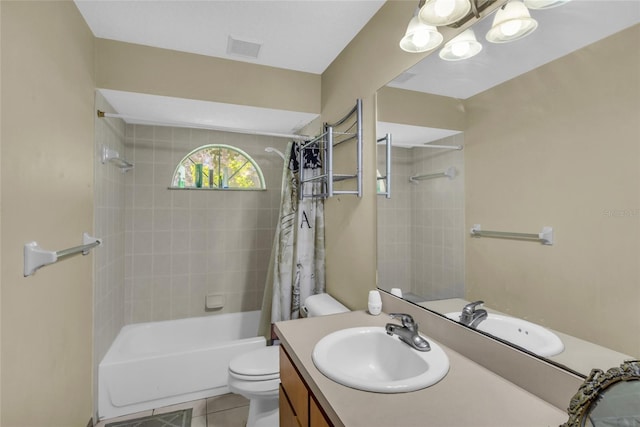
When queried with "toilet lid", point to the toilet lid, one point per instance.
{"points": [[262, 362]]}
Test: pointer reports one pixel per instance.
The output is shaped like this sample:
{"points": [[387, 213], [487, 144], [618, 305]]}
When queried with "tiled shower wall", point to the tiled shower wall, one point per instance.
{"points": [[184, 244], [421, 228], [394, 223], [108, 258]]}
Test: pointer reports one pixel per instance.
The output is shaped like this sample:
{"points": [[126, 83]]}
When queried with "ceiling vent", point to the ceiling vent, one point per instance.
{"points": [[244, 48]]}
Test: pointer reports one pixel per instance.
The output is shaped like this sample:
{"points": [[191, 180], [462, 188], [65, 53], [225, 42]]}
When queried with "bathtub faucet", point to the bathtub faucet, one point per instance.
{"points": [[408, 332], [472, 317]]}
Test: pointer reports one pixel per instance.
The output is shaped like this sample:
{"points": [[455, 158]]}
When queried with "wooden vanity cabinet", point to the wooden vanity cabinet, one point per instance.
{"points": [[298, 407]]}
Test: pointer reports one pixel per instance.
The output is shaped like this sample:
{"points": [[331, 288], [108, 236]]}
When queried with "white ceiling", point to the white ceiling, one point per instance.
{"points": [[561, 30], [307, 35], [301, 35]]}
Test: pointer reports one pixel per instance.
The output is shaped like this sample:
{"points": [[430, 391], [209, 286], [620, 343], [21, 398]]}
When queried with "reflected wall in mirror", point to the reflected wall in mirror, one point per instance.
{"points": [[421, 229], [555, 143]]}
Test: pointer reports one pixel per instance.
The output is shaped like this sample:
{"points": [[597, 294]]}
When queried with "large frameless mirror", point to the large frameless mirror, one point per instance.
{"points": [[553, 143]]}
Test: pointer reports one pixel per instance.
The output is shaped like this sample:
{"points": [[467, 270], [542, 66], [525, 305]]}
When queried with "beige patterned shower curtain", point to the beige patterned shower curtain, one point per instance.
{"points": [[297, 265]]}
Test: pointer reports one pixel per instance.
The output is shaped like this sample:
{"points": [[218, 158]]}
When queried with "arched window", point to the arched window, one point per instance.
{"points": [[218, 166]]}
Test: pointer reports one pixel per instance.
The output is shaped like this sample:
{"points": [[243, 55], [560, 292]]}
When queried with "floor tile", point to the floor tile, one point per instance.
{"points": [[226, 401], [236, 417], [104, 422], [199, 408]]}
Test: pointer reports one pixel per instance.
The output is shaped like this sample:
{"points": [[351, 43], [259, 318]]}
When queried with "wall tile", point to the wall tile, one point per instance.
{"points": [[421, 226], [194, 242]]}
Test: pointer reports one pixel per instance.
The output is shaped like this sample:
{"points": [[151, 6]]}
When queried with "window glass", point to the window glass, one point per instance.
{"points": [[219, 167]]}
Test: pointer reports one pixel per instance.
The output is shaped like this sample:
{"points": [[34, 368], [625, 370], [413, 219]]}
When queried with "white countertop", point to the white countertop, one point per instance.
{"points": [[469, 395]]}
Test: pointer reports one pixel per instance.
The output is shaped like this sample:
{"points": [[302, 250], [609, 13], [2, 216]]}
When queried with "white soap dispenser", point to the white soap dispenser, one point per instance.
{"points": [[374, 303]]}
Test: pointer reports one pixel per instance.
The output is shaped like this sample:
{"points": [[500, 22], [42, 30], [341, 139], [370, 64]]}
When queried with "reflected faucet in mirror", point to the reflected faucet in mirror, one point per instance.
{"points": [[471, 315]]}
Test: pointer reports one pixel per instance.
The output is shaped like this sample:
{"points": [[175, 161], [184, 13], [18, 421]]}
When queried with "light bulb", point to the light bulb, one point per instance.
{"points": [[443, 8], [420, 38], [460, 49], [510, 28]]}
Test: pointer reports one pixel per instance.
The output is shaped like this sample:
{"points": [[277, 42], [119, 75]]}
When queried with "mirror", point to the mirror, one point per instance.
{"points": [[606, 399], [556, 145]]}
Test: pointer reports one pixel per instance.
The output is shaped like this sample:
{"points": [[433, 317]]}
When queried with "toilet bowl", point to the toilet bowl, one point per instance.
{"points": [[256, 374]]}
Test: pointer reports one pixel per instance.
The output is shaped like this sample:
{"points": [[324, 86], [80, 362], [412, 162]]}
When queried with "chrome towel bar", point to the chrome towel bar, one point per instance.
{"points": [[36, 257]]}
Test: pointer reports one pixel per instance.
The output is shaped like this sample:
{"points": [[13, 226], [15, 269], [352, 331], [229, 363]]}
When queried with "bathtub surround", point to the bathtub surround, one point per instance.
{"points": [[108, 267], [421, 228], [182, 245]]}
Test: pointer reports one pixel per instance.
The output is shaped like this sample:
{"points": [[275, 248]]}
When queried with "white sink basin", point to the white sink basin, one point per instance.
{"points": [[532, 337], [366, 358]]}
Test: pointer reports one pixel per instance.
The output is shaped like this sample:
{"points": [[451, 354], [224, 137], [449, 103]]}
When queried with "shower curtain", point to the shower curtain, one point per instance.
{"points": [[296, 268]]}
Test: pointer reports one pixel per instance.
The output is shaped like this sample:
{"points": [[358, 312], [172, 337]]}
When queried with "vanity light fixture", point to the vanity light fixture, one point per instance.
{"points": [[444, 12], [420, 37], [544, 4], [463, 46], [512, 22]]}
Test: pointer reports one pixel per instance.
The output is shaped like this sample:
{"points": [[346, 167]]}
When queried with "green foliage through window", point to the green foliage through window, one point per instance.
{"points": [[218, 166]]}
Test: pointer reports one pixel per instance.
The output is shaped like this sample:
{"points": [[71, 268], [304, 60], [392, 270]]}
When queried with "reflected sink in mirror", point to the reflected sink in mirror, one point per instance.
{"points": [[366, 358], [532, 337]]}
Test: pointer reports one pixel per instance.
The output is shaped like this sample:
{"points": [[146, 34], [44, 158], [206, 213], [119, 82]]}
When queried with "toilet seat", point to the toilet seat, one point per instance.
{"points": [[257, 365]]}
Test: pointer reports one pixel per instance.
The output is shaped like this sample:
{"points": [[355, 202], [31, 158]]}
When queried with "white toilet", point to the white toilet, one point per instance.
{"points": [[256, 374]]}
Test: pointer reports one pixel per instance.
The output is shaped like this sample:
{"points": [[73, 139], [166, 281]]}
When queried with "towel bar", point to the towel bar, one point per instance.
{"points": [[36, 257], [545, 236]]}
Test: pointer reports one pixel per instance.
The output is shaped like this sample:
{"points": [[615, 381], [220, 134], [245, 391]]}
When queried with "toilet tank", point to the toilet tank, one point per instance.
{"points": [[322, 305]]}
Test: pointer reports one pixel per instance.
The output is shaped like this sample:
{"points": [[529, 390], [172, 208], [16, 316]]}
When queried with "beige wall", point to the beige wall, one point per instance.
{"points": [[143, 69], [560, 146], [351, 268], [47, 196], [420, 109], [369, 62]]}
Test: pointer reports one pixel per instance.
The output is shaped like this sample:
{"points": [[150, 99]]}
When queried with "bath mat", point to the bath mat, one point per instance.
{"points": [[171, 419]]}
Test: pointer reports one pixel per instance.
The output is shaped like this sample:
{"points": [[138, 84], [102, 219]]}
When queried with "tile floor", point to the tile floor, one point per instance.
{"points": [[227, 410]]}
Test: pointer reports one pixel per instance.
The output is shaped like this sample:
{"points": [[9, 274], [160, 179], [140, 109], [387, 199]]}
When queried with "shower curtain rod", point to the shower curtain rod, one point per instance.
{"points": [[201, 126]]}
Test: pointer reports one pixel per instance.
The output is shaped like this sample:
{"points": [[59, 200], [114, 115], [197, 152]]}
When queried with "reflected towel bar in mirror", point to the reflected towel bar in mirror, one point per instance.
{"points": [[449, 173], [545, 236]]}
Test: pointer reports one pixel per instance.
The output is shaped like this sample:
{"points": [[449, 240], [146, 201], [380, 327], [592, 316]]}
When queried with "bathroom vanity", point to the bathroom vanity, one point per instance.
{"points": [[298, 407], [468, 395]]}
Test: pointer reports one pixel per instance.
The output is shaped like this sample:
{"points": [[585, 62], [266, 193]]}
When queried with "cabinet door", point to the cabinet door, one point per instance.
{"points": [[287, 416], [316, 417], [294, 389]]}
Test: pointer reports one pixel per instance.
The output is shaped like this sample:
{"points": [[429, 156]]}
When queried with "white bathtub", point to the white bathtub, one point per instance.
{"points": [[156, 364]]}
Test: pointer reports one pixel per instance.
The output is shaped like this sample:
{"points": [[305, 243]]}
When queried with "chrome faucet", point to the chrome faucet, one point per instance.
{"points": [[408, 332], [471, 316]]}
